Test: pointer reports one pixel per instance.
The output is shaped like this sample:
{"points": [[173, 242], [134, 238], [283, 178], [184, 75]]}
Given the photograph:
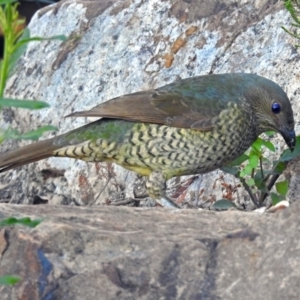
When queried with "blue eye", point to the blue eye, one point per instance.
{"points": [[276, 108]]}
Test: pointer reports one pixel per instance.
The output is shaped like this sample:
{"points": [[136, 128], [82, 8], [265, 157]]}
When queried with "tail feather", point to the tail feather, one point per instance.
{"points": [[74, 144], [27, 154]]}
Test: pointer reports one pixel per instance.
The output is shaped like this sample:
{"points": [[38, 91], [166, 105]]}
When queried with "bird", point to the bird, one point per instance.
{"points": [[191, 126]]}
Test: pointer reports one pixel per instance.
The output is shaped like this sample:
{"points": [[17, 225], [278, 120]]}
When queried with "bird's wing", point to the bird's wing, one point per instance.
{"points": [[190, 103]]}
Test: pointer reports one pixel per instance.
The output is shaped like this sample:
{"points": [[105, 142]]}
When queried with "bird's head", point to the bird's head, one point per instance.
{"points": [[272, 110]]}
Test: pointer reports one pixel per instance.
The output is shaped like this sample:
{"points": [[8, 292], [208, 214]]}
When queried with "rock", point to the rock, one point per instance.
{"points": [[113, 252], [138, 253], [116, 48]]}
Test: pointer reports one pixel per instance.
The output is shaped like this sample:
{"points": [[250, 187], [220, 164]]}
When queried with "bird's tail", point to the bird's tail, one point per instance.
{"points": [[27, 154], [78, 143]]}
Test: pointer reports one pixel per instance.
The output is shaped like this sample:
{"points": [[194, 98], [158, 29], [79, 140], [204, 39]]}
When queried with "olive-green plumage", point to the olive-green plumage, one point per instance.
{"points": [[191, 126]]}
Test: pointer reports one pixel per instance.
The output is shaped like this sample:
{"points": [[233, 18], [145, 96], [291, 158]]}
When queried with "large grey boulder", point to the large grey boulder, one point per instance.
{"points": [[141, 253], [121, 47], [109, 252]]}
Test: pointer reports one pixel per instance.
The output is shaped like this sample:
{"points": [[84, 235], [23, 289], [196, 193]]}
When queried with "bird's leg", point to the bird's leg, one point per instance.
{"points": [[156, 187]]}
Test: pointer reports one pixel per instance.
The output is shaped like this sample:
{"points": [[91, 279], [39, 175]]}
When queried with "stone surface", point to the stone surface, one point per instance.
{"points": [[116, 48], [137, 253], [141, 253]]}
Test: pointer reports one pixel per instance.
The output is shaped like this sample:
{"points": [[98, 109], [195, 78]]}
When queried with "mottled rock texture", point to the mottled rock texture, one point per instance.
{"points": [[141, 253], [109, 252], [116, 48]]}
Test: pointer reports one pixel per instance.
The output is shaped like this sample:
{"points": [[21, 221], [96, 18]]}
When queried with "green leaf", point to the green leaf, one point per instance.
{"points": [[250, 182], [276, 198], [2, 138], [261, 185], [239, 160], [3, 2], [269, 145], [9, 279], [61, 37], [280, 166], [231, 170], [246, 171], [288, 154], [28, 104], [257, 144], [18, 51], [22, 221], [224, 204], [37, 133], [258, 174], [282, 187], [253, 161], [255, 151], [13, 134], [270, 133]]}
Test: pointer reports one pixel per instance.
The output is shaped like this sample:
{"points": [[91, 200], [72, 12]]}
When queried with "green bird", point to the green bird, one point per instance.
{"points": [[191, 126]]}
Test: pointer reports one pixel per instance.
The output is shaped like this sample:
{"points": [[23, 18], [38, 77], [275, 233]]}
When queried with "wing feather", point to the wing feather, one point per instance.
{"points": [[189, 103]]}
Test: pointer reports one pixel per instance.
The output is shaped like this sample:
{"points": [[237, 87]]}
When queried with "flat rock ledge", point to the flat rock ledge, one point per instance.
{"points": [[138, 253]]}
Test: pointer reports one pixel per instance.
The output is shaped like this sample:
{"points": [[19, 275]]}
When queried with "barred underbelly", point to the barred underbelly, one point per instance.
{"points": [[177, 151], [90, 151]]}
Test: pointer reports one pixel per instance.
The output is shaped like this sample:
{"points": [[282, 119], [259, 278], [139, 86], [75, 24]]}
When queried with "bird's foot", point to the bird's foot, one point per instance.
{"points": [[156, 187], [166, 202]]}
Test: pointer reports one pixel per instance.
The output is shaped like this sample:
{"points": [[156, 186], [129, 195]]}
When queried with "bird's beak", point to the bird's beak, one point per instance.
{"points": [[289, 137]]}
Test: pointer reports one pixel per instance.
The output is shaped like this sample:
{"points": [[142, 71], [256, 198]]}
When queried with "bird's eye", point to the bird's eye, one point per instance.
{"points": [[276, 108]]}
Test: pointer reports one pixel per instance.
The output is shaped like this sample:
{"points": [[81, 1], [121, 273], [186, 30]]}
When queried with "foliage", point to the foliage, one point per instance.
{"points": [[9, 280], [22, 221], [293, 6], [256, 173], [16, 39]]}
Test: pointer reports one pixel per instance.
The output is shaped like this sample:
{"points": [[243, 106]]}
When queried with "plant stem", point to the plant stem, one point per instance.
{"points": [[8, 34], [271, 183], [248, 189], [261, 167]]}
